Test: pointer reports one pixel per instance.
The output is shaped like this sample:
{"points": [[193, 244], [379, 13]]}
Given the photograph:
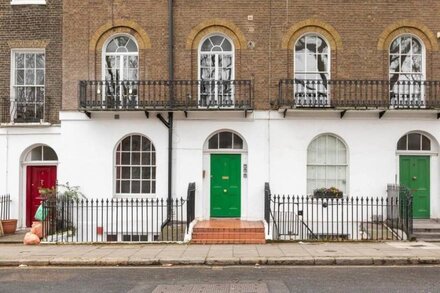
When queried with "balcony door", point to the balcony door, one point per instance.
{"points": [[121, 70], [312, 71], [216, 72], [407, 72]]}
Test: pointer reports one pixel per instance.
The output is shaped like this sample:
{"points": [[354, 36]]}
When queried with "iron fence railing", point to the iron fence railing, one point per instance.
{"points": [[399, 94], [190, 206], [116, 220], [24, 111], [126, 95], [5, 207], [337, 219]]}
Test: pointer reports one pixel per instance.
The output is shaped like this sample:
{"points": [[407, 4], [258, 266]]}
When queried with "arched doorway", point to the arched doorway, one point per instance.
{"points": [[225, 163], [414, 150], [40, 165]]}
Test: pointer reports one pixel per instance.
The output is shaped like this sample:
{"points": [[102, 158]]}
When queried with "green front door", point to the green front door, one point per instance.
{"points": [[225, 185], [414, 174]]}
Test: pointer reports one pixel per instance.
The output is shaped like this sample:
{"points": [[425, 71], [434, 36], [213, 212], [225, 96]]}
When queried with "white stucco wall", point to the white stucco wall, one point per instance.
{"points": [[277, 152]]}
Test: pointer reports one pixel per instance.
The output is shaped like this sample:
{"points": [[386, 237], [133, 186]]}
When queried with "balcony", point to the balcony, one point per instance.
{"points": [[162, 95], [359, 94], [24, 111]]}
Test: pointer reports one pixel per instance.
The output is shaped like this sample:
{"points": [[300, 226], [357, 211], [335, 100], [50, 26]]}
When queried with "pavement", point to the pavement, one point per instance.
{"points": [[309, 253]]}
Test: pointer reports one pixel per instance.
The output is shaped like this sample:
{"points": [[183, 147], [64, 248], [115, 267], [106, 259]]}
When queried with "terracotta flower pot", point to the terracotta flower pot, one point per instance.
{"points": [[9, 226]]}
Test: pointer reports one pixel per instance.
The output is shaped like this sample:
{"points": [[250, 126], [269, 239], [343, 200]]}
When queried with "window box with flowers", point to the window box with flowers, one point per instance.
{"points": [[331, 192]]}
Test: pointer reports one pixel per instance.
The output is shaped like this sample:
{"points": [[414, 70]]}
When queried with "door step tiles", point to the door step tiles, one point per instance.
{"points": [[228, 231]]}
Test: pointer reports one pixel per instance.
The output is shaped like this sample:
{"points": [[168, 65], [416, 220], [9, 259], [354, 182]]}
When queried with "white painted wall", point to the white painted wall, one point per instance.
{"points": [[277, 149]]}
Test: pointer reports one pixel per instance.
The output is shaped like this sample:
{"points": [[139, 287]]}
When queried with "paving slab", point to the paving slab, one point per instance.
{"points": [[344, 253]]}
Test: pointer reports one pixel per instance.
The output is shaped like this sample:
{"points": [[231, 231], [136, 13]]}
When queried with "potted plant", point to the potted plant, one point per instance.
{"points": [[9, 225], [331, 192]]}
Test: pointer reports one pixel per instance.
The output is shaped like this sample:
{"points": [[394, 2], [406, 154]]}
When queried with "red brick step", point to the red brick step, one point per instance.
{"points": [[228, 231]]}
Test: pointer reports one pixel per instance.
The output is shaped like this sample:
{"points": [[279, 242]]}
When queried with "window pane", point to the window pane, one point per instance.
{"points": [[30, 61], [146, 144], [37, 154], [30, 77], [19, 60], [125, 172], [126, 144], [19, 77], [401, 145], [131, 46], [414, 140], [426, 143], [135, 173], [49, 154], [125, 158], [40, 61], [238, 142], [135, 158], [225, 140], [125, 187], [136, 143], [136, 186], [213, 142], [40, 77]]}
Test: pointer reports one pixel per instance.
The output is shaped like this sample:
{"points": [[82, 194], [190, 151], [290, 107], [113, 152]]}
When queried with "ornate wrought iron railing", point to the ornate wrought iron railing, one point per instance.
{"points": [[139, 95], [24, 111], [400, 94]]}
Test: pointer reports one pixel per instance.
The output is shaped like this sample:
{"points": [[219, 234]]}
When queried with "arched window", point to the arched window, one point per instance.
{"points": [[216, 71], [121, 71], [225, 140], [311, 70], [414, 142], [327, 163], [135, 166], [40, 154], [406, 71]]}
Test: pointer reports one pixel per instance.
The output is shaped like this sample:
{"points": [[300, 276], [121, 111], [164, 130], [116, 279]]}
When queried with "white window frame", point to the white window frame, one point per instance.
{"points": [[423, 73], [329, 70], [346, 165], [13, 77], [28, 2], [151, 179], [199, 59]]}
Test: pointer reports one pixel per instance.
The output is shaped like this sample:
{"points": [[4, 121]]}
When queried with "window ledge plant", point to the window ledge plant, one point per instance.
{"points": [[331, 192]]}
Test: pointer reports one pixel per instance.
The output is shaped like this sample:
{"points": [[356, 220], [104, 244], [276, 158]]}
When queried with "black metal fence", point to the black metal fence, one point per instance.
{"points": [[398, 94], [126, 95], [338, 219], [5, 207], [113, 220]]}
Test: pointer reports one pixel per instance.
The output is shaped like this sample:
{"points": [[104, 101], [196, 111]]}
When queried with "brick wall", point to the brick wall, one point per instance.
{"points": [[33, 26], [355, 27]]}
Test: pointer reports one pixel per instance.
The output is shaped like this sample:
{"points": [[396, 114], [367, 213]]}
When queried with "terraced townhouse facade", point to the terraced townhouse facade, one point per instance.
{"points": [[302, 94]]}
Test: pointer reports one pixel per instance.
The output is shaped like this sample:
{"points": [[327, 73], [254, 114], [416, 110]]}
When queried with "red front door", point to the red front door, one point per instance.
{"points": [[37, 177]]}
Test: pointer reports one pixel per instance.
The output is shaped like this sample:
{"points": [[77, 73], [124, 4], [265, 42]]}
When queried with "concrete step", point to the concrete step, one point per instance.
{"points": [[426, 235], [229, 230], [423, 230]]}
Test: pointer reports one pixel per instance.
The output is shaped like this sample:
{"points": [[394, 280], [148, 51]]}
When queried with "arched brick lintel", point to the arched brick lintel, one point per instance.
{"points": [[212, 26], [312, 26], [407, 27]]}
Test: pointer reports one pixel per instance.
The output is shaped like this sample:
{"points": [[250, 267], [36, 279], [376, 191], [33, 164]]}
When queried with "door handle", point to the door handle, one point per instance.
{"points": [[414, 178], [225, 190]]}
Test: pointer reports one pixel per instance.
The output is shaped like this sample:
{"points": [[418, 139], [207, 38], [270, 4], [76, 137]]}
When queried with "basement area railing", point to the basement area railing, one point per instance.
{"points": [[337, 219], [395, 94], [117, 220]]}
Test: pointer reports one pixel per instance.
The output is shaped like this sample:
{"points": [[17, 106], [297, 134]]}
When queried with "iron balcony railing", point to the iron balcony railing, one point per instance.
{"points": [[336, 219], [24, 111], [5, 207], [400, 94], [126, 95]]}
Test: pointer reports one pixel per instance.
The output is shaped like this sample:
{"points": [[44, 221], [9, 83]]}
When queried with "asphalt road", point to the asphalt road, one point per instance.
{"points": [[222, 279]]}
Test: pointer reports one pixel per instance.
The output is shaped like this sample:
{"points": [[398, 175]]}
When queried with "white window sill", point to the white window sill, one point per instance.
{"points": [[28, 2], [11, 124]]}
